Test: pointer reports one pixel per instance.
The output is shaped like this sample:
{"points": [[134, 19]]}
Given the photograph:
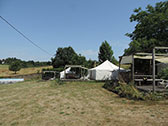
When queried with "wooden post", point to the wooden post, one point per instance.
{"points": [[132, 68], [54, 75], [64, 72], [119, 69], [153, 57], [81, 73]]}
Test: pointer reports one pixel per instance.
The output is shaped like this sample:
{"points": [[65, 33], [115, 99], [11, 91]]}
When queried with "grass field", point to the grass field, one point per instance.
{"points": [[39, 103], [4, 71]]}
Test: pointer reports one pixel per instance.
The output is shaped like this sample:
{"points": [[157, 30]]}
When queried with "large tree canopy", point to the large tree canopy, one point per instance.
{"points": [[67, 56], [151, 29], [106, 53], [63, 57]]}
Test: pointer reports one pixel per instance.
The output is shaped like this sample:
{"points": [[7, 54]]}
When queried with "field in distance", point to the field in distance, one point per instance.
{"points": [[4, 70]]}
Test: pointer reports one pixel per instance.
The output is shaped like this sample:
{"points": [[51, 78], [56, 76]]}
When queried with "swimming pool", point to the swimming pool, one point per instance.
{"points": [[10, 80]]}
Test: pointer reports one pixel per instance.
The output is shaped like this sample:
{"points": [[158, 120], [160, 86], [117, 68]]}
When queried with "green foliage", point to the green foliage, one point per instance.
{"points": [[15, 66], [0, 61], [129, 91], [53, 69], [154, 96], [25, 64], [164, 73], [106, 53], [48, 75], [91, 63], [151, 29], [63, 56], [67, 56]]}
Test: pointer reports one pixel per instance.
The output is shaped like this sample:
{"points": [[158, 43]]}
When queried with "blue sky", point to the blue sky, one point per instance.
{"points": [[82, 24]]}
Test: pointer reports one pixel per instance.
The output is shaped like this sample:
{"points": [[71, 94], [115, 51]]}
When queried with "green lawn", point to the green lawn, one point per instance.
{"points": [[39, 103]]}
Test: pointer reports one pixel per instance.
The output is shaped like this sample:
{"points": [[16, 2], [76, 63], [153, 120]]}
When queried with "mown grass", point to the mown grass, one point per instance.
{"points": [[4, 71], [41, 103]]}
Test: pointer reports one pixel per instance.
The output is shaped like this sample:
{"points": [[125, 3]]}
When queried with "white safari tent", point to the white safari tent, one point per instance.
{"points": [[105, 71], [62, 74]]}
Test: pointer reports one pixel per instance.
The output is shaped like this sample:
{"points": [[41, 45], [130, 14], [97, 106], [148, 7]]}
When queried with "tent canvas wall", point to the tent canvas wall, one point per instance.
{"points": [[62, 74], [105, 71]]}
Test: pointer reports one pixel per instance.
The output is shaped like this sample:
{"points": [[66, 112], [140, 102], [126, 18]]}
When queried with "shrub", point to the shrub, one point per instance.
{"points": [[47, 75], [15, 66], [164, 73], [129, 91], [53, 69]]}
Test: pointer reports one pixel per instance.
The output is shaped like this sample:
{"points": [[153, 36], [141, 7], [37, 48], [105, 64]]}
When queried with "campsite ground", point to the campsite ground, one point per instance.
{"points": [[46, 103]]}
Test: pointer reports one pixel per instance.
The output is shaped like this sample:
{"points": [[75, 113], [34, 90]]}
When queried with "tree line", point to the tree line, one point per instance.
{"points": [[24, 64], [67, 56]]}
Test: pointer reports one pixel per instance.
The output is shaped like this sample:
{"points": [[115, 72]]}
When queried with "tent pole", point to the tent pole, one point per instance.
{"points": [[81, 73], [65, 73], [133, 68], [119, 70]]}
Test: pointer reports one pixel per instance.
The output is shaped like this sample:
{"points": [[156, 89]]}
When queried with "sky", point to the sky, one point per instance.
{"points": [[81, 24]]}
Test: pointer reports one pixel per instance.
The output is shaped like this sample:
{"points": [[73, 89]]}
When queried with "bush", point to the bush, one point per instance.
{"points": [[111, 85], [47, 75], [53, 69], [164, 73], [15, 66], [129, 91]]}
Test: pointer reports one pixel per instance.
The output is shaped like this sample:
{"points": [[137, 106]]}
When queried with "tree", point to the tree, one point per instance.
{"points": [[151, 29], [106, 53], [91, 63], [67, 56], [79, 60], [15, 66]]}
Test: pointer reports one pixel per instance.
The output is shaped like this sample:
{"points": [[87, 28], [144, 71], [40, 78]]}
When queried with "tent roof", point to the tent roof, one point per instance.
{"points": [[107, 65], [66, 70], [159, 58], [76, 66]]}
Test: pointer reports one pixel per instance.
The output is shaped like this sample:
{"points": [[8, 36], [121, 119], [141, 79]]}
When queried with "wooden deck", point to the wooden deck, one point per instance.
{"points": [[149, 88], [140, 81]]}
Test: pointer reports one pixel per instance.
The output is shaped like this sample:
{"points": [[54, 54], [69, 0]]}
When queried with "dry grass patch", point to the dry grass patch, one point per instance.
{"points": [[4, 70], [35, 103]]}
